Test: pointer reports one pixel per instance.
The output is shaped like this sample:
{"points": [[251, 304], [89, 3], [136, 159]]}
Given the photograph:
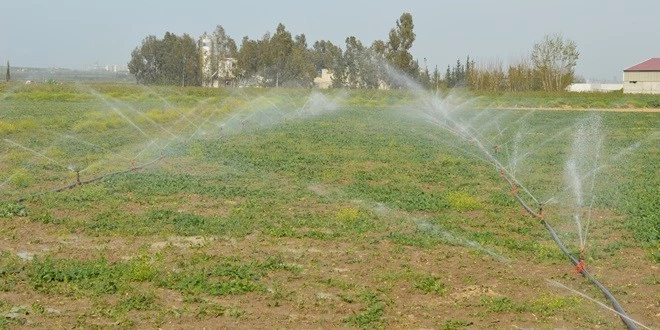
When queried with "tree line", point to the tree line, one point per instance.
{"points": [[549, 67], [282, 59]]}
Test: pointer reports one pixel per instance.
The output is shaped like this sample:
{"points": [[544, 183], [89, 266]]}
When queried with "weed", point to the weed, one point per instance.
{"points": [[455, 325], [544, 306], [8, 210], [462, 201], [372, 315], [430, 284], [213, 310], [138, 302], [38, 308]]}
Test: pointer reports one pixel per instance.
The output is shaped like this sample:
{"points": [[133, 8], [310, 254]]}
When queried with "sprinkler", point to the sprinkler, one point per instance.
{"points": [[580, 266], [578, 263], [80, 182], [514, 188]]}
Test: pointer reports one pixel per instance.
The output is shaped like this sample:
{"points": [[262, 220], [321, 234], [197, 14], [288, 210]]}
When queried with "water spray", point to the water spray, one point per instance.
{"points": [[623, 316], [471, 137], [579, 263], [79, 182]]}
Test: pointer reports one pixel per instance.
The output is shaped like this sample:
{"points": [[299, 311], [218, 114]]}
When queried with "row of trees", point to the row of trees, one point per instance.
{"points": [[549, 67], [283, 59], [278, 59], [273, 60]]}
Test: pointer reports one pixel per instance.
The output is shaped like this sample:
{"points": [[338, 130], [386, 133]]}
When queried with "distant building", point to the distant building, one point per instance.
{"points": [[643, 78], [324, 80], [216, 70]]}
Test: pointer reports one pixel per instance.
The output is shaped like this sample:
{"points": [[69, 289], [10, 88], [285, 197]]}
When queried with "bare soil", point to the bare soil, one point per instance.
{"points": [[334, 273]]}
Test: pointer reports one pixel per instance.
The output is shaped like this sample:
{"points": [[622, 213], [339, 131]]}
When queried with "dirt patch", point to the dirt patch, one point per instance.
{"points": [[182, 242], [342, 282]]}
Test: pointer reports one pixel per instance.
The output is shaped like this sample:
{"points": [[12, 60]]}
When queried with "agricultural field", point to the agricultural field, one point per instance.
{"points": [[131, 206]]}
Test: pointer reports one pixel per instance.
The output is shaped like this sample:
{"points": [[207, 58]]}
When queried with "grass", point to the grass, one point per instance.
{"points": [[371, 316], [351, 198], [543, 306], [587, 100]]}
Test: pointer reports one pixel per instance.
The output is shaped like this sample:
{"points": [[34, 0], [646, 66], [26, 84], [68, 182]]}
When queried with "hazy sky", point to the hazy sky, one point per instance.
{"points": [[611, 34]]}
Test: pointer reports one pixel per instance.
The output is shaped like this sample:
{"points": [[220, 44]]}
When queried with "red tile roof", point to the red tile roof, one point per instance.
{"points": [[652, 64]]}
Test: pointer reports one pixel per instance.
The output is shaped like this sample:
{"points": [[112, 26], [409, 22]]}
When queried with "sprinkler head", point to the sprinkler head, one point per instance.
{"points": [[580, 267]]}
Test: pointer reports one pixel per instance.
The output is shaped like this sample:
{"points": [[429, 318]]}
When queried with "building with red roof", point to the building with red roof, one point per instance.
{"points": [[643, 78]]}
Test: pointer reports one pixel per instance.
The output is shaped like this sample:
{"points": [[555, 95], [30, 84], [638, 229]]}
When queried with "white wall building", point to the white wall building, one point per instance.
{"points": [[218, 72], [324, 80], [643, 78]]}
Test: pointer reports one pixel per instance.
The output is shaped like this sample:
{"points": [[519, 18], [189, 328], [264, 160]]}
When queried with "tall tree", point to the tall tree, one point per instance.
{"points": [[189, 61], [435, 80], [554, 60], [354, 50], [339, 71], [8, 75], [400, 41], [281, 46], [521, 75], [225, 45], [173, 60], [361, 71], [299, 69], [448, 78], [324, 54], [248, 59], [379, 47], [143, 61], [378, 60]]}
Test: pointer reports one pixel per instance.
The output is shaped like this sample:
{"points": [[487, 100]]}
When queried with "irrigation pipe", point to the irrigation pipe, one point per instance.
{"points": [[94, 179], [579, 263]]}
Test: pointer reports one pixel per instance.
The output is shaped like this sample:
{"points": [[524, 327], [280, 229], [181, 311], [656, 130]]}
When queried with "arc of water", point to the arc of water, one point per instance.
{"points": [[621, 315], [36, 153]]}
